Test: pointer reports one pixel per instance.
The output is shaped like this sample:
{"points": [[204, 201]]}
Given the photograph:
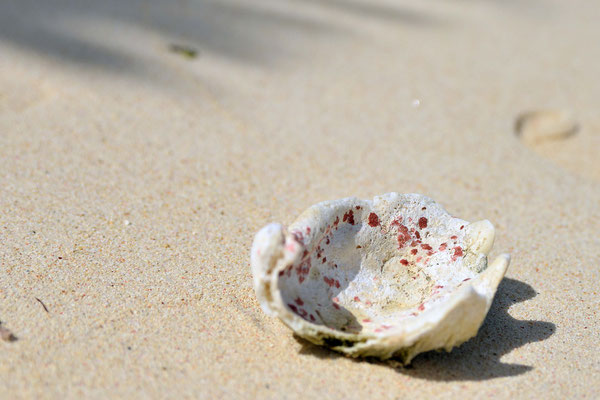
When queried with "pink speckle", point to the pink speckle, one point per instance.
{"points": [[443, 246], [414, 251], [422, 222], [356, 298], [458, 252], [349, 217], [426, 247], [329, 281], [419, 259], [421, 307], [337, 284], [404, 262], [368, 303], [308, 230], [454, 237], [373, 220], [366, 320], [290, 247], [300, 279], [403, 236], [418, 235]]}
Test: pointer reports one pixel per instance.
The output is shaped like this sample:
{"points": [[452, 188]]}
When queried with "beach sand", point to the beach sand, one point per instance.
{"points": [[133, 178]]}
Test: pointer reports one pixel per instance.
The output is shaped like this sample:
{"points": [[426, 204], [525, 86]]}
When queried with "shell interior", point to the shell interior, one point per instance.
{"points": [[366, 267]]}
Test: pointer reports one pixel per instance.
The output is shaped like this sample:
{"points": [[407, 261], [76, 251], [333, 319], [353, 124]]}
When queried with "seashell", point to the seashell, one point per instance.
{"points": [[544, 125], [391, 277]]}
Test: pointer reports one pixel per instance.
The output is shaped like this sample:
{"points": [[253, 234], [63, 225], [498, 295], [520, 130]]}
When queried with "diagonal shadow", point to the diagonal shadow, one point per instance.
{"points": [[479, 358]]}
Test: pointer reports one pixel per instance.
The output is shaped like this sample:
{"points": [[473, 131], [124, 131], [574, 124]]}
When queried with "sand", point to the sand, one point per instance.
{"points": [[133, 178]]}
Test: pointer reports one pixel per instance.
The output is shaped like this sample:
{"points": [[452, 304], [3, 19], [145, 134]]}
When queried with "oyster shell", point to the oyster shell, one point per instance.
{"points": [[391, 277]]}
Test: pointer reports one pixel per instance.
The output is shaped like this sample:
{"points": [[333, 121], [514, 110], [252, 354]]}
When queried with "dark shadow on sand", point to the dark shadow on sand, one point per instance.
{"points": [[479, 358]]}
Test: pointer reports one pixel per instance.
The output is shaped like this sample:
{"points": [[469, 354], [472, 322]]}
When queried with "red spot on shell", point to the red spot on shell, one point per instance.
{"points": [[356, 298], [403, 236], [422, 222], [312, 317], [454, 237], [300, 279], [424, 208], [418, 235], [404, 262], [458, 252], [349, 217], [329, 281], [357, 207], [378, 330], [337, 284], [462, 226], [324, 260], [281, 273], [307, 230], [421, 307], [336, 306], [467, 279], [293, 308], [366, 320], [327, 240], [373, 220], [438, 287], [443, 246], [299, 301], [337, 221], [426, 247], [414, 251]]}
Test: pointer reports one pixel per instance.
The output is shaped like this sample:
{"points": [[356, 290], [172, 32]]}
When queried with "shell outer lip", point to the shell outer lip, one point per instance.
{"points": [[442, 327]]}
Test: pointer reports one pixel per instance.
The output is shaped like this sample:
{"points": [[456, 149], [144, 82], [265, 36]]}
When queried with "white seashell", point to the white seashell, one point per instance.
{"points": [[392, 277], [544, 125]]}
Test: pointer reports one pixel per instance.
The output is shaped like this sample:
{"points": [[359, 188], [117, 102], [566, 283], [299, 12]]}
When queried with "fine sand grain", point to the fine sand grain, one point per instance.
{"points": [[133, 178]]}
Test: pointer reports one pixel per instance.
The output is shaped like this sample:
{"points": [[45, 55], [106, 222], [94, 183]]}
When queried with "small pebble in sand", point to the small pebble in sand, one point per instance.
{"points": [[539, 126], [416, 103], [127, 222], [7, 335]]}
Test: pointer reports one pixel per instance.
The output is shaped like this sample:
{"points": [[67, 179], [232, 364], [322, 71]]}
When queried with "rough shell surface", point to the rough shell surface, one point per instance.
{"points": [[391, 277]]}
